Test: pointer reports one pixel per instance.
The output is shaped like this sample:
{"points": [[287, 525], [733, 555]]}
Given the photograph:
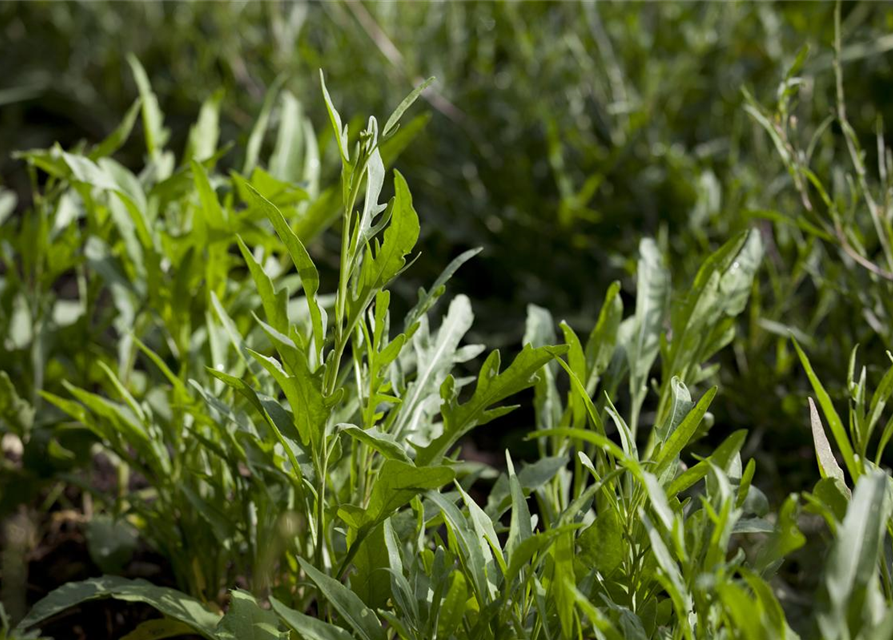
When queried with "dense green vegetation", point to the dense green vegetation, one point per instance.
{"points": [[281, 347]]}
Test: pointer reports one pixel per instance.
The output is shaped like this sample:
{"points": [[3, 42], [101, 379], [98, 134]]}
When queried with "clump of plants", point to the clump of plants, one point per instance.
{"points": [[302, 440]]}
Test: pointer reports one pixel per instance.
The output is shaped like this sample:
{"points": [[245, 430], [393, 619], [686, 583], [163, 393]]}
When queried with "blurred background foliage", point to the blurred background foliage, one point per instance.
{"points": [[556, 136]]}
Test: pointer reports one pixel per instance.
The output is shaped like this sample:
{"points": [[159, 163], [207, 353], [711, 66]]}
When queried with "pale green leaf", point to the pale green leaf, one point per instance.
{"points": [[285, 161], [153, 119], [204, 134], [828, 467], [831, 415], [652, 294]]}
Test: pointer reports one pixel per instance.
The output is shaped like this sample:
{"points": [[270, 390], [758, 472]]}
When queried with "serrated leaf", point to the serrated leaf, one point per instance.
{"points": [[434, 359], [492, 387], [720, 457], [704, 321], [400, 237]]}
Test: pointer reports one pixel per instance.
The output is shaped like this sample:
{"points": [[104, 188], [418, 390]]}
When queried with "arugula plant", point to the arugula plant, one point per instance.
{"points": [[347, 479], [192, 449], [127, 295], [140, 250], [306, 443], [345, 433], [854, 501]]}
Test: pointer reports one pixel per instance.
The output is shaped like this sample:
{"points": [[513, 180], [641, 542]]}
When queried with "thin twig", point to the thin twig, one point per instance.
{"points": [[855, 255], [390, 51], [849, 135]]}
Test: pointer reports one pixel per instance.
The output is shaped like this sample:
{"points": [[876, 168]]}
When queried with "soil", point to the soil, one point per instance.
{"points": [[54, 549], [61, 556]]}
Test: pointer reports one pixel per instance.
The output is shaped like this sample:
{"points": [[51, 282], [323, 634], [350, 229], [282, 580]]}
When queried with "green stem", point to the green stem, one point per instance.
{"points": [[322, 468]]}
